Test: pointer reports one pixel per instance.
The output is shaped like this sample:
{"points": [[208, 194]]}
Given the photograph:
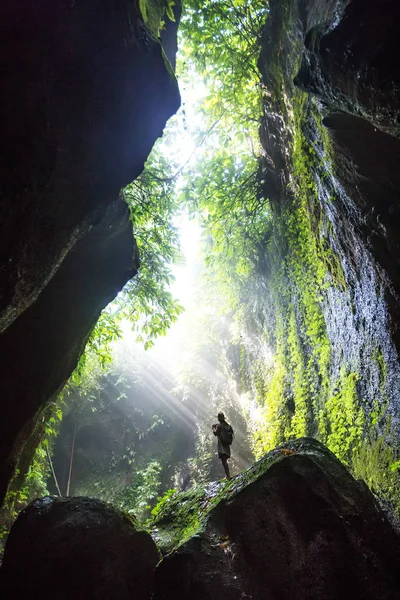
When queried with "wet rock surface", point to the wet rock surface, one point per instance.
{"points": [[324, 65], [349, 63], [301, 528], [76, 548]]}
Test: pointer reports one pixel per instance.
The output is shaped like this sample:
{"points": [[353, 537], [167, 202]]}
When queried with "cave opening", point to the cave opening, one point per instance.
{"points": [[161, 264]]}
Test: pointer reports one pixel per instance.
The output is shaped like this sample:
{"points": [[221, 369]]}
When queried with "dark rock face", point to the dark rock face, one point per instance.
{"points": [[350, 63], [76, 548], [305, 529], [350, 59], [46, 340], [88, 93]]}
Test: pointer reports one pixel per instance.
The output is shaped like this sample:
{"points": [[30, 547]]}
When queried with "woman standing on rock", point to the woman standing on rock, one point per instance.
{"points": [[224, 433]]}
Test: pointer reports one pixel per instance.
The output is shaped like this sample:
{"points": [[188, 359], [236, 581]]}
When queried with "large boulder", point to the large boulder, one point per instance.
{"points": [[296, 525], [75, 549]]}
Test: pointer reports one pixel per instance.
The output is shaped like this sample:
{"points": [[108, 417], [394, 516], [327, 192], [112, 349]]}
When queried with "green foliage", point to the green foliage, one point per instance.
{"points": [[94, 362], [153, 12], [23, 488], [106, 331], [142, 491], [221, 41], [146, 300], [220, 38], [4, 531], [81, 393], [162, 503], [38, 473]]}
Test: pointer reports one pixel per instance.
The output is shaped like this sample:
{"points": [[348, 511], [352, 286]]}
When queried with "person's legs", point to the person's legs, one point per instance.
{"points": [[224, 460]]}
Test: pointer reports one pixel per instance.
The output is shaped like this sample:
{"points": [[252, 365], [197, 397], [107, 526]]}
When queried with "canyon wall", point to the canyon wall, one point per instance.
{"points": [[330, 262], [87, 92]]}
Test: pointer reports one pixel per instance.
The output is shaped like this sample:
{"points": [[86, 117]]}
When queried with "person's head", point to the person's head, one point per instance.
{"points": [[221, 417]]}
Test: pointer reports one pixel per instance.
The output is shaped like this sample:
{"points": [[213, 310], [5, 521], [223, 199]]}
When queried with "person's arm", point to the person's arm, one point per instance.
{"points": [[216, 429]]}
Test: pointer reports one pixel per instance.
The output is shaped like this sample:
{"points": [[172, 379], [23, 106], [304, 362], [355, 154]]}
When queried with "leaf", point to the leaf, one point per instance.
{"points": [[169, 11]]}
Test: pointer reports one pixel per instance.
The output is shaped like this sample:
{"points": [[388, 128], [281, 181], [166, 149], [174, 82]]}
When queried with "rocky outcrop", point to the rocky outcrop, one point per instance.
{"points": [[88, 93], [294, 525], [348, 58], [77, 548], [299, 527]]}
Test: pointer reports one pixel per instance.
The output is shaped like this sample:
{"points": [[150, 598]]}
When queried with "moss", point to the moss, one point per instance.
{"points": [[178, 517], [379, 359], [274, 419], [153, 12], [182, 515], [299, 425], [302, 345], [342, 420], [376, 461], [4, 531]]}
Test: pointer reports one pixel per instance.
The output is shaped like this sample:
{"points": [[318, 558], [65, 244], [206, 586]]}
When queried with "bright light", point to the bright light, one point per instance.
{"points": [[183, 286], [183, 132]]}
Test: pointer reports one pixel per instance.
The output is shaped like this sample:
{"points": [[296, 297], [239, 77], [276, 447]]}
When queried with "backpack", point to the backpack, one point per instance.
{"points": [[226, 434]]}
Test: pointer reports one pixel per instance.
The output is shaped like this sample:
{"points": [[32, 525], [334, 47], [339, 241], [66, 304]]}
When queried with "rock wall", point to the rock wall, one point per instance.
{"points": [[88, 93], [330, 148], [350, 66]]}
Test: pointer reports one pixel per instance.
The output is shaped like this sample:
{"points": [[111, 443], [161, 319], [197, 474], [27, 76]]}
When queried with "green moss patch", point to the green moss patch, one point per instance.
{"points": [[179, 516]]}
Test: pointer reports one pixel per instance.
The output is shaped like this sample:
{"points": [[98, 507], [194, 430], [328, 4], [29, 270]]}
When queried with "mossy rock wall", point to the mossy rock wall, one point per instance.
{"points": [[330, 310]]}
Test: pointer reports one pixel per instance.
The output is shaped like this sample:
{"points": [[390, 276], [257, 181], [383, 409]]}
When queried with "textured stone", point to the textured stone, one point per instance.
{"points": [[304, 529], [76, 548], [350, 63]]}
